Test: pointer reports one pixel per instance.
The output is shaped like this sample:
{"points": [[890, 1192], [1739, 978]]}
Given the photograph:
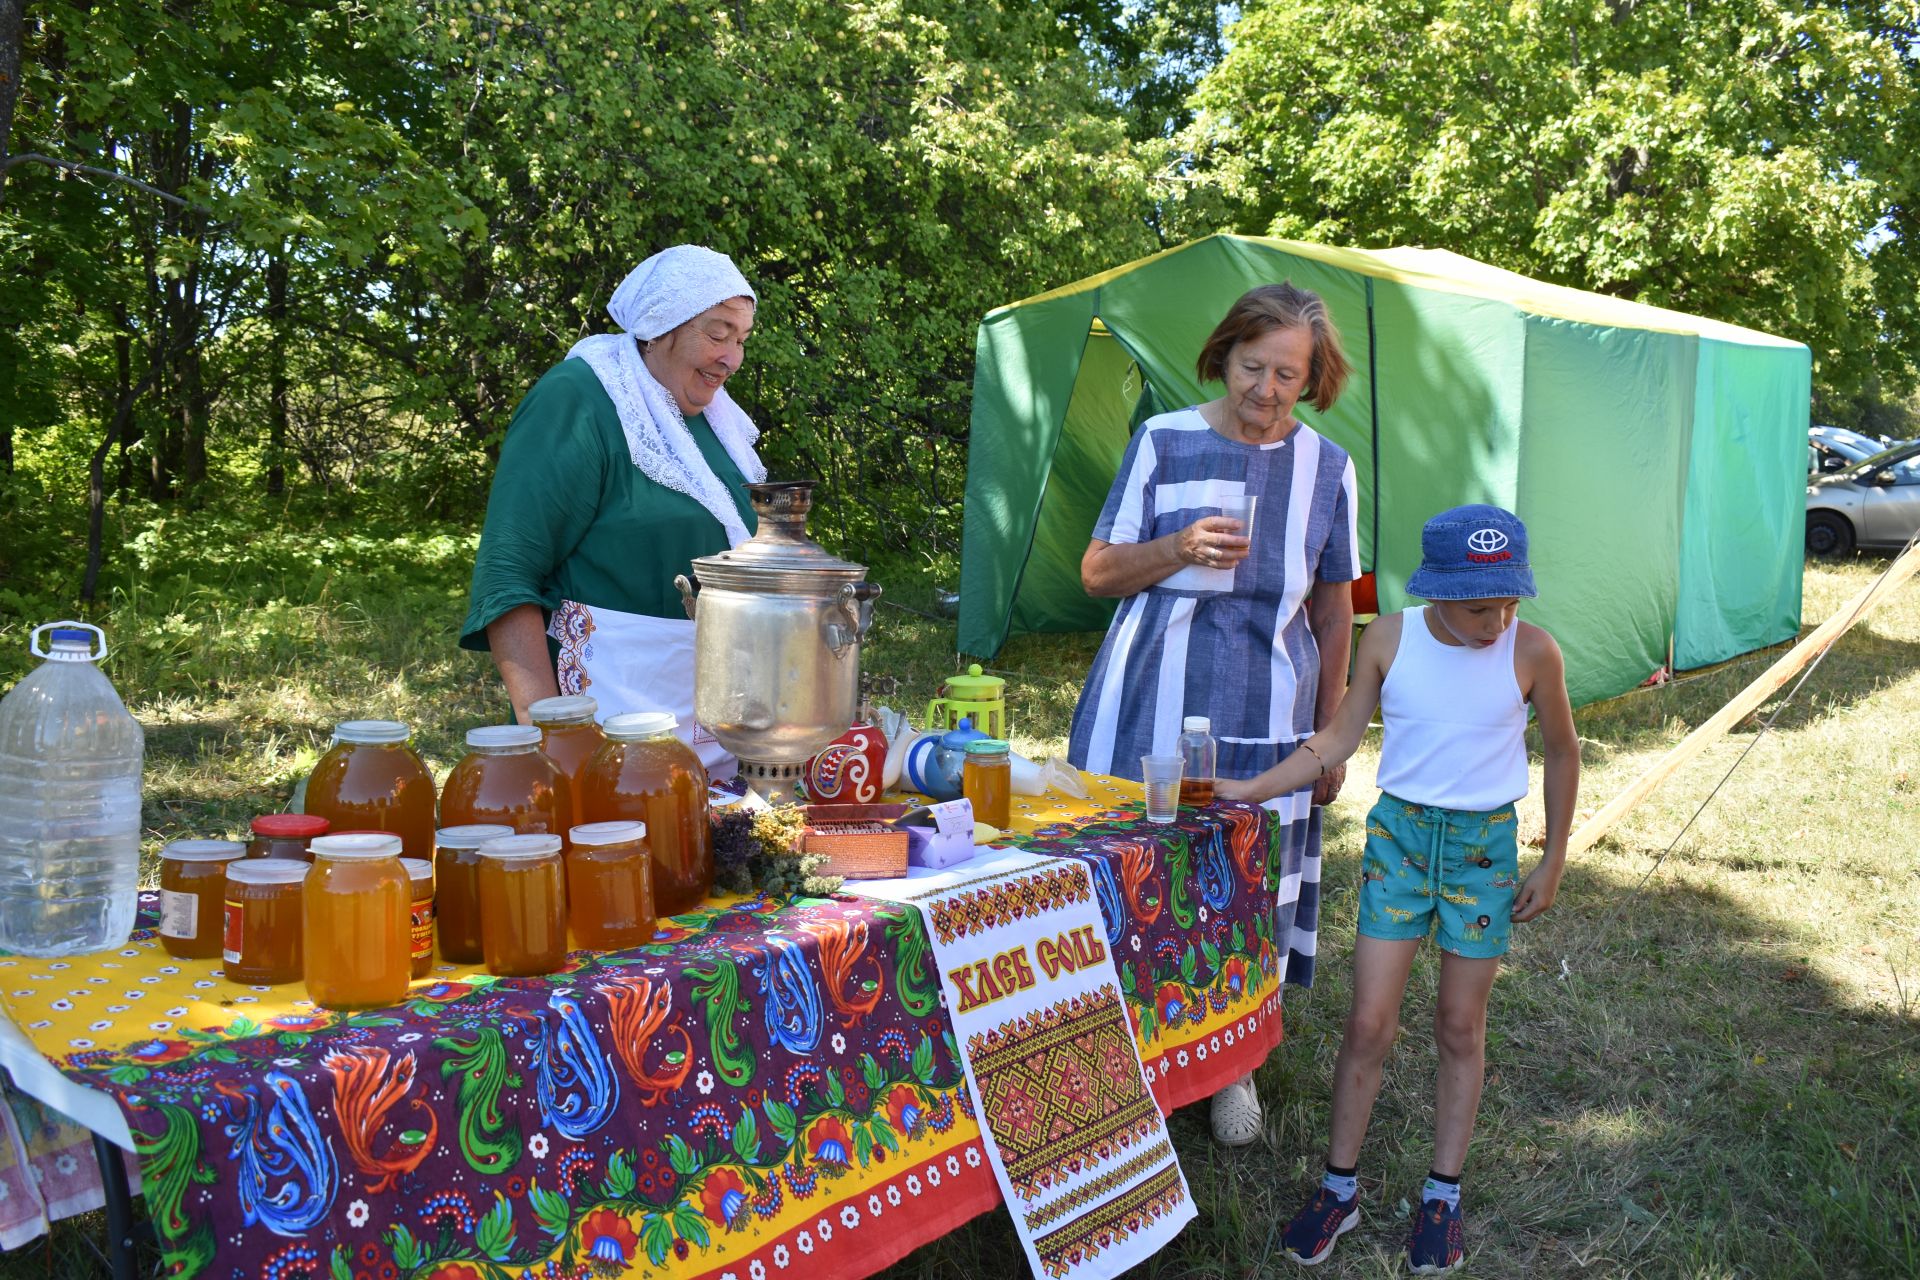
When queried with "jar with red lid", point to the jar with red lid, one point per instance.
{"points": [[285, 835]]}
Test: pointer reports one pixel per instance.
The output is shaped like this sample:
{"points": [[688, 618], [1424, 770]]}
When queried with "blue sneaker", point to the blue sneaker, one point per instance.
{"points": [[1438, 1243], [1309, 1238]]}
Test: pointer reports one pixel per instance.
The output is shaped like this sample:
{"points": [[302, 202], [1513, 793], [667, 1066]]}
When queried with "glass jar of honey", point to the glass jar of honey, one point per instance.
{"points": [[419, 916], [569, 737], [610, 885], [193, 889], [646, 774], [986, 780], [356, 927], [456, 874], [371, 780], [264, 928], [506, 778], [523, 905], [285, 835]]}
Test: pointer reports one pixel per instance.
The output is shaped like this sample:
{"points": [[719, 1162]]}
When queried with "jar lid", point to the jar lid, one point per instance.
{"points": [[356, 844], [571, 708], [470, 835], [497, 736], [988, 747], [267, 871], [592, 833], [203, 851], [631, 726], [371, 731], [513, 848], [417, 869], [974, 687], [290, 826], [1196, 724]]}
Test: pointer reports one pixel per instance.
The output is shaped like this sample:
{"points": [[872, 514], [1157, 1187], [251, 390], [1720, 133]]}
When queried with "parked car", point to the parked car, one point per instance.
{"points": [[1833, 449], [1873, 504]]}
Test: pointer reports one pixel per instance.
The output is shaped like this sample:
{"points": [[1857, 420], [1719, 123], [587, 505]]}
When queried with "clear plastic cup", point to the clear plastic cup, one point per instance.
{"points": [[1241, 508], [1161, 777]]}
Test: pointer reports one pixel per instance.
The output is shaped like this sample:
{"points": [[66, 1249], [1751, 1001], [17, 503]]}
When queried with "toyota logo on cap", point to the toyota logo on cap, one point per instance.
{"points": [[1486, 541]]}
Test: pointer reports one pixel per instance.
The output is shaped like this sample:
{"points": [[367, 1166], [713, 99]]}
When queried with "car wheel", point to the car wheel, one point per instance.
{"points": [[1829, 536]]}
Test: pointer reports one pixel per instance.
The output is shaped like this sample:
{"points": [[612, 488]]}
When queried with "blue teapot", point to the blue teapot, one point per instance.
{"points": [[934, 762]]}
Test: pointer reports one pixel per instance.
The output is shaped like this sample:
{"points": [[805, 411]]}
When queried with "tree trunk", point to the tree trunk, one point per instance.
{"points": [[12, 15], [126, 394], [277, 373]]}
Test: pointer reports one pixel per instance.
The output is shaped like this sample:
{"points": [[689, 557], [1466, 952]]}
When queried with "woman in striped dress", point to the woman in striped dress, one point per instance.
{"points": [[1252, 632]]}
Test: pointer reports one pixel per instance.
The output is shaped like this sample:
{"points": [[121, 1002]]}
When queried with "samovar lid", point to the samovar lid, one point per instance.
{"points": [[779, 556]]}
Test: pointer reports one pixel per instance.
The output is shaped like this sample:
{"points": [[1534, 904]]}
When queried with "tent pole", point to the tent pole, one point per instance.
{"points": [[1373, 411]]}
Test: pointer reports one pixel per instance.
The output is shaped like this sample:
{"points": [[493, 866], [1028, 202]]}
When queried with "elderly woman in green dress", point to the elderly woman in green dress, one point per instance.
{"points": [[625, 462]]}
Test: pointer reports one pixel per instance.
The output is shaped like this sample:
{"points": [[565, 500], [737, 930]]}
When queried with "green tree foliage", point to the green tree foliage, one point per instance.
{"points": [[1752, 160], [348, 236]]}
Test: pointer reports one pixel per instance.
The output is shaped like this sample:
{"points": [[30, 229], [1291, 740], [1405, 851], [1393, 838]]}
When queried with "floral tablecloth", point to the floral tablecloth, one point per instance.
{"points": [[770, 1088]]}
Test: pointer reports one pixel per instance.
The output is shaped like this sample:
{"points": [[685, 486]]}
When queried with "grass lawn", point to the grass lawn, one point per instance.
{"points": [[1704, 1066]]}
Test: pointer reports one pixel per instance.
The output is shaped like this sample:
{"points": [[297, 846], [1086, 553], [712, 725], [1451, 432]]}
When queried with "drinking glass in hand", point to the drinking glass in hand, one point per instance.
{"points": [[1162, 780]]}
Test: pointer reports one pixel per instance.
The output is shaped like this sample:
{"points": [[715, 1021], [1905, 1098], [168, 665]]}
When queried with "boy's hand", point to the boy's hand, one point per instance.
{"points": [[1536, 893]]}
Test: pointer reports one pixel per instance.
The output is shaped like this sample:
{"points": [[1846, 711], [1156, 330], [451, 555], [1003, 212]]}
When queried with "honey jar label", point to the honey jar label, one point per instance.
{"points": [[179, 914], [420, 917], [230, 936]]}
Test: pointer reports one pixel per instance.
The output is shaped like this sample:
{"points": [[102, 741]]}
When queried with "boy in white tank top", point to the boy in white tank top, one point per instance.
{"points": [[1452, 680]]}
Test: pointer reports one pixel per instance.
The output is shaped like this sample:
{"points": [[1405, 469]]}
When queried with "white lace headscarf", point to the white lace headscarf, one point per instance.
{"points": [[662, 293]]}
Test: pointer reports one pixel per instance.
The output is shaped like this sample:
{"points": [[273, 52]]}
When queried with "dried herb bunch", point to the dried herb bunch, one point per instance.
{"points": [[761, 850]]}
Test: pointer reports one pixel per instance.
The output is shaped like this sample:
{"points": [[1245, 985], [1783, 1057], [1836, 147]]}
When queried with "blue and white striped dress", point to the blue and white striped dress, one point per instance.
{"points": [[1229, 644]]}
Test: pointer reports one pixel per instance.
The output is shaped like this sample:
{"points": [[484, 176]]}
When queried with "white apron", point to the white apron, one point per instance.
{"points": [[631, 662]]}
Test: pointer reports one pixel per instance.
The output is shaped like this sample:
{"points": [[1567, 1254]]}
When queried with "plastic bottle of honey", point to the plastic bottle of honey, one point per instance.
{"points": [[569, 737], [610, 885], [646, 774], [506, 778], [456, 873], [357, 926], [371, 780], [523, 905]]}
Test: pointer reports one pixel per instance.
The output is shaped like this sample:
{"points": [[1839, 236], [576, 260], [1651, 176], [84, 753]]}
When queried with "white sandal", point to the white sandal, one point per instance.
{"points": [[1236, 1114]]}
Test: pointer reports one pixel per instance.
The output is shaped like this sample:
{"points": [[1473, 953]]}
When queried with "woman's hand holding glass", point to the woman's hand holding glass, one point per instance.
{"points": [[1215, 542]]}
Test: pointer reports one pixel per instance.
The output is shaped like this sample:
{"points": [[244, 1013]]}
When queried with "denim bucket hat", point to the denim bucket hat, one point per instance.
{"points": [[1474, 552]]}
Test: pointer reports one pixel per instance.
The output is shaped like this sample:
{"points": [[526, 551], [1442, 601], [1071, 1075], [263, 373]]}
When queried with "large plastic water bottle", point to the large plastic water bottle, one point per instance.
{"points": [[69, 802]]}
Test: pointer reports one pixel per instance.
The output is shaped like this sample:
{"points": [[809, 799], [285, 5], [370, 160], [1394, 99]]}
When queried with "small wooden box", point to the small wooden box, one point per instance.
{"points": [[857, 840]]}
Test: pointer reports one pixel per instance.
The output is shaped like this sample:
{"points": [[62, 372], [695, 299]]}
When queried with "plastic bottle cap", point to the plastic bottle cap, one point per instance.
{"points": [[470, 836], [1196, 724], [515, 847], [356, 844], [267, 871], [371, 731], [495, 737], [988, 747], [571, 708], [634, 725], [417, 869], [72, 635], [593, 833], [290, 826], [203, 850]]}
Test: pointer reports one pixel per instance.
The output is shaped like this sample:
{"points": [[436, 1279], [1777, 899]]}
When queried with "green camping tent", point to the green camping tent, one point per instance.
{"points": [[1658, 459]]}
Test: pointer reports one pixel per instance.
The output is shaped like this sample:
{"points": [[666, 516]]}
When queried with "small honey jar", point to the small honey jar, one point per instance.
{"points": [[986, 779], [419, 915], [285, 835], [355, 909], [523, 905], [193, 887], [262, 939], [610, 885], [456, 873]]}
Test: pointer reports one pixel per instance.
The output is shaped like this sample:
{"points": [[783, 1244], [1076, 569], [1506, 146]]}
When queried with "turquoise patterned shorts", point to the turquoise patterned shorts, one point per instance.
{"points": [[1459, 865]]}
